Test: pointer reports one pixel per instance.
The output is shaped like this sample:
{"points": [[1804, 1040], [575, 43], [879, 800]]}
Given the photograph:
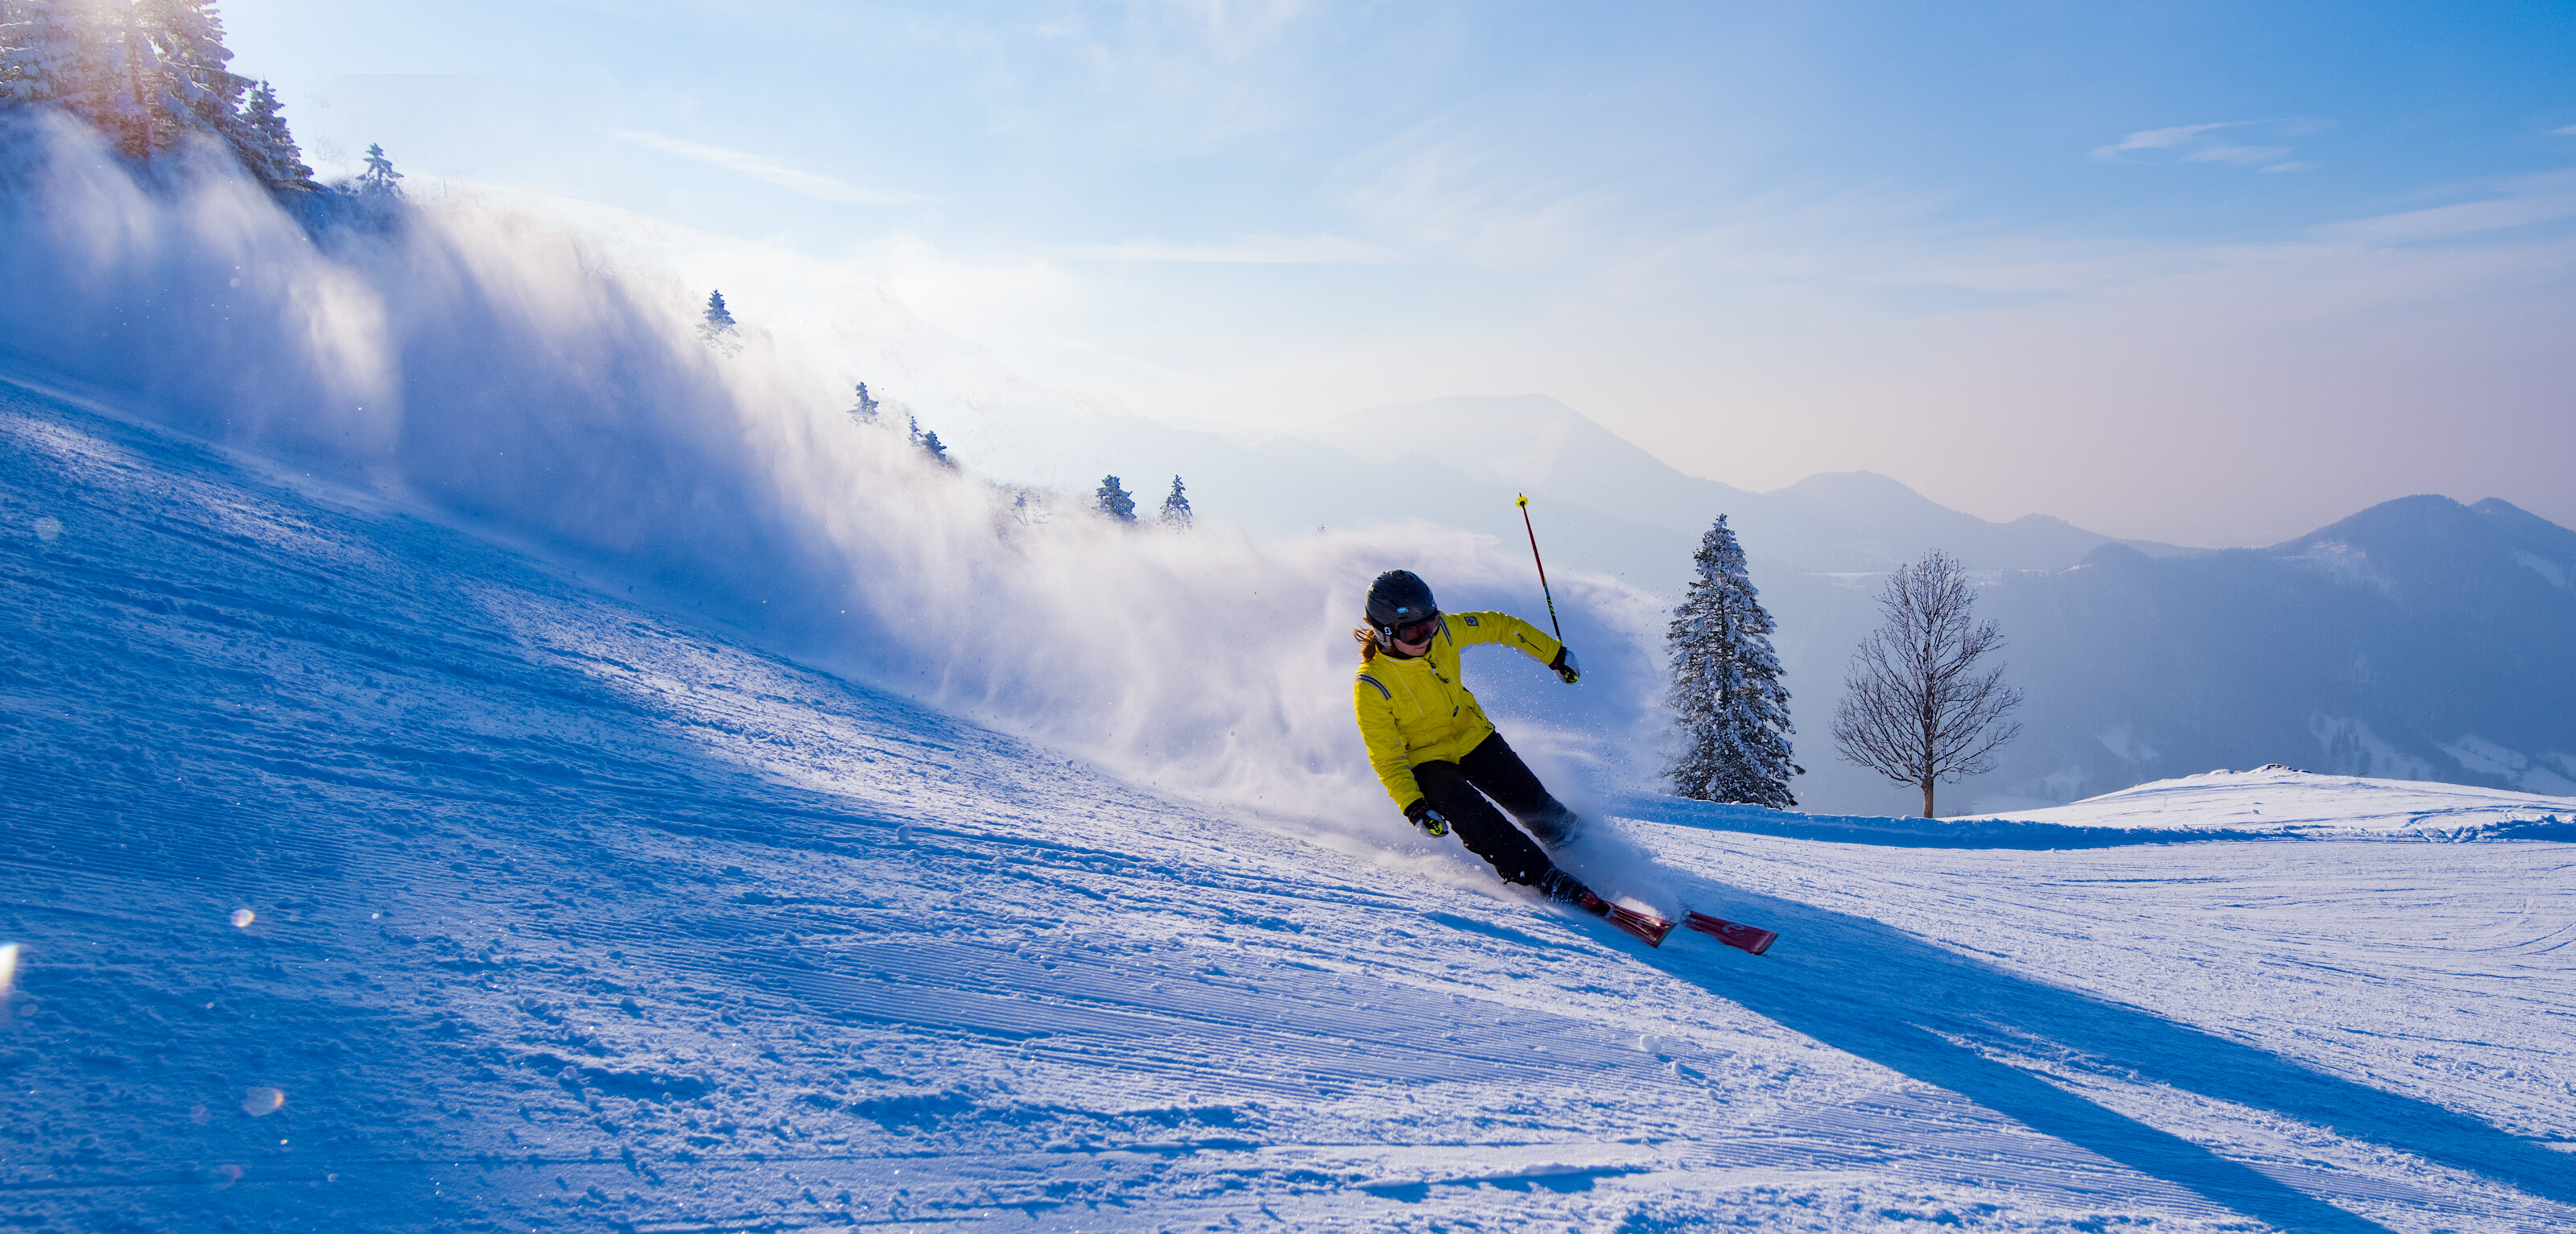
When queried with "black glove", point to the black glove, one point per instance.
{"points": [[1565, 666], [1432, 822]]}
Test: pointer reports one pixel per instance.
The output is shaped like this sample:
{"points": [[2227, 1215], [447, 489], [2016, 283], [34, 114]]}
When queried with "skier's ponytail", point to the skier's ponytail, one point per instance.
{"points": [[1367, 639]]}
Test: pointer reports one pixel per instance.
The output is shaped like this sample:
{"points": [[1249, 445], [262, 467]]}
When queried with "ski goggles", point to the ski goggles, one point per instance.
{"points": [[1419, 631]]}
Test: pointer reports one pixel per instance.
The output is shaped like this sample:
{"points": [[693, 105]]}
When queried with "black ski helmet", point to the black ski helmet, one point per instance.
{"points": [[1398, 598]]}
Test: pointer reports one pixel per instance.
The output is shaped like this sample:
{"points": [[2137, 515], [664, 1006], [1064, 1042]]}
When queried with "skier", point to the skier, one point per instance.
{"points": [[1432, 746]]}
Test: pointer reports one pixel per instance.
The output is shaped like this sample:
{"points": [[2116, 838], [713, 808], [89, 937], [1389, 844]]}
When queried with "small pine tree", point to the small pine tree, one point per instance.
{"points": [[1726, 691], [378, 180], [1176, 508], [865, 411], [1114, 501], [716, 326], [938, 453], [267, 148]]}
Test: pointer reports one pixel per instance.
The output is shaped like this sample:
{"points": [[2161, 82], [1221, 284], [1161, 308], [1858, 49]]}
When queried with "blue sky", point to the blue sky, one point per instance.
{"points": [[2209, 273]]}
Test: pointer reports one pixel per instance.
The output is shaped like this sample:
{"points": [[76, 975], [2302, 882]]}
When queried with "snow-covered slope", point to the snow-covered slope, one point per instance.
{"points": [[362, 875]]}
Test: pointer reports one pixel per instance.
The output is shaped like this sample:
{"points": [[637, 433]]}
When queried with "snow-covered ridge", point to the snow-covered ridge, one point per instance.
{"points": [[2284, 801], [2267, 803]]}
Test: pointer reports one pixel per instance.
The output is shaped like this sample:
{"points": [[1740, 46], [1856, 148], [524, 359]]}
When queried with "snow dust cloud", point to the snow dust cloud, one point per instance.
{"points": [[493, 368]]}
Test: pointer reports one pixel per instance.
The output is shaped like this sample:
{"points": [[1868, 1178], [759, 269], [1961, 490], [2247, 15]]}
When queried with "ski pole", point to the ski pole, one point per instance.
{"points": [[1542, 569]]}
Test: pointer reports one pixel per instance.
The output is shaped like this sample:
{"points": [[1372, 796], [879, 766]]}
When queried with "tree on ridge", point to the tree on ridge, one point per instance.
{"points": [[379, 177], [1114, 501], [715, 326]]}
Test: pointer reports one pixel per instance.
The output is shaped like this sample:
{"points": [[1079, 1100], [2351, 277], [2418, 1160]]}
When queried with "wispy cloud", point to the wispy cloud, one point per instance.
{"points": [[2159, 139], [2202, 143], [2569, 131], [757, 168], [1248, 250], [2220, 152], [2523, 203]]}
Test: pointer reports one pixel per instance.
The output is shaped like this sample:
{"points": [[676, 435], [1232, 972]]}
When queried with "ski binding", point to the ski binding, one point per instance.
{"points": [[1645, 926]]}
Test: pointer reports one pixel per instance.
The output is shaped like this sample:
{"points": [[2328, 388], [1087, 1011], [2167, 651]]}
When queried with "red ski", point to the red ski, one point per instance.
{"points": [[1645, 926], [1733, 933]]}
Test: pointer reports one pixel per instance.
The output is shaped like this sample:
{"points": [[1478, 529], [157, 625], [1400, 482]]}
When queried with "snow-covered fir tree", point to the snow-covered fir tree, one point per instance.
{"points": [[938, 453], [1726, 691], [716, 326], [379, 179], [120, 88], [1115, 501], [196, 90], [146, 73], [268, 149], [44, 55], [865, 410], [1176, 508]]}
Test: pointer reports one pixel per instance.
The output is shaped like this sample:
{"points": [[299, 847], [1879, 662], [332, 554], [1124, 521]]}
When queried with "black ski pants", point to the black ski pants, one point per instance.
{"points": [[1458, 790]]}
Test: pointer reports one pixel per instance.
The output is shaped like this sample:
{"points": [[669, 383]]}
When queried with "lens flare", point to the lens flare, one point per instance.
{"points": [[258, 1102], [242, 917]]}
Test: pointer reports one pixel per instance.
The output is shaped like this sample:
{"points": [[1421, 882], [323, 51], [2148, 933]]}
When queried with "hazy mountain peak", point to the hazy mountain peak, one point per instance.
{"points": [[1830, 522], [2436, 531], [2527, 531], [2112, 554], [1529, 440], [1849, 484]]}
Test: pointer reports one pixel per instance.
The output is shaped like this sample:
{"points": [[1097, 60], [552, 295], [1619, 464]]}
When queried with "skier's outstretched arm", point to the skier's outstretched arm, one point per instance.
{"points": [[1511, 631]]}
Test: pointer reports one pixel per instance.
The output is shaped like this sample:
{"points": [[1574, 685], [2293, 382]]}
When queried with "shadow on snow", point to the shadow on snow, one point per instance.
{"points": [[1871, 990]]}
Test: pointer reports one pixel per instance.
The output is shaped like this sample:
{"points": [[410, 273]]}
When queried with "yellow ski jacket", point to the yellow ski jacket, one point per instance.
{"points": [[1417, 710]]}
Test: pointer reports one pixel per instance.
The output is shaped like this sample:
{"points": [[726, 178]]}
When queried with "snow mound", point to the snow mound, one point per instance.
{"points": [[2268, 803], [2282, 801]]}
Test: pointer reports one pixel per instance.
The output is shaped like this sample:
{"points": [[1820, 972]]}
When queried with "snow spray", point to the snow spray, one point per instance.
{"points": [[504, 372]]}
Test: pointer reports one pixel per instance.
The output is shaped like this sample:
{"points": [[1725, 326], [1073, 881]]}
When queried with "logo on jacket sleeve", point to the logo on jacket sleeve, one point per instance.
{"points": [[1470, 619]]}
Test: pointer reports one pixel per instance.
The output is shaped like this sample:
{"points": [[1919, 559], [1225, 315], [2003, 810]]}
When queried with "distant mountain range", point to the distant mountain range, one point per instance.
{"points": [[2419, 639]]}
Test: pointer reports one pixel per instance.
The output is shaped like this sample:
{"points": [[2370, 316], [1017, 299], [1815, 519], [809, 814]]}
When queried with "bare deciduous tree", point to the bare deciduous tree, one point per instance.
{"points": [[1915, 708]]}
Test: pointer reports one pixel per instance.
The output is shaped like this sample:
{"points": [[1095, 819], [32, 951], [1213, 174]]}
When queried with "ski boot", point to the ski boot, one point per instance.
{"points": [[1564, 888]]}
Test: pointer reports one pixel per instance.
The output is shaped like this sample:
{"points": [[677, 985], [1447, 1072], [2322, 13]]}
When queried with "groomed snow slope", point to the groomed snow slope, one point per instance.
{"points": [[364, 876]]}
